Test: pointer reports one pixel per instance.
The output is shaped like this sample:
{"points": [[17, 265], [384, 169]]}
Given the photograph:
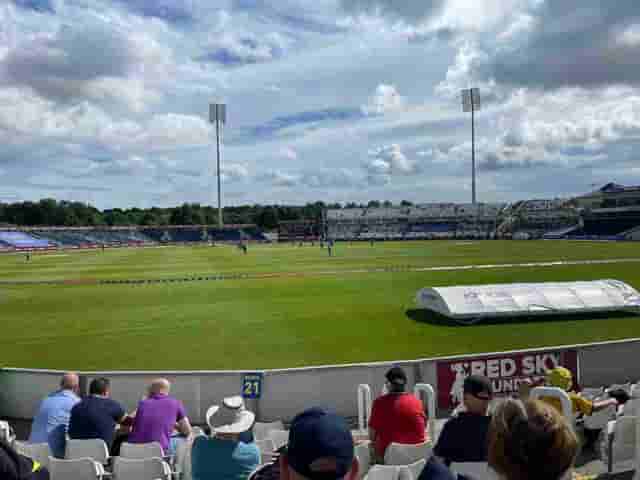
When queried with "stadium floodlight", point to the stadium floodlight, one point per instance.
{"points": [[471, 103], [218, 115]]}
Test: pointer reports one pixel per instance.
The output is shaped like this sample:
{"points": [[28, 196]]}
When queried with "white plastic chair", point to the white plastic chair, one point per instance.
{"points": [[141, 451], [362, 452], [475, 470], [94, 448], [412, 471], [364, 406], [402, 454], [77, 469], [427, 393], [38, 452], [261, 429], [279, 438], [565, 401], [621, 451], [266, 448], [383, 472], [141, 469]]}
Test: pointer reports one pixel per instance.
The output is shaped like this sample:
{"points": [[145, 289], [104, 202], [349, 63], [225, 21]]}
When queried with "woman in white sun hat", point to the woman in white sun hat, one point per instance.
{"points": [[226, 455]]}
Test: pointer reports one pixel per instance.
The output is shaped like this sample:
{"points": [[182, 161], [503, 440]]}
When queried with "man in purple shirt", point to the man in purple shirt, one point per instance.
{"points": [[158, 415]]}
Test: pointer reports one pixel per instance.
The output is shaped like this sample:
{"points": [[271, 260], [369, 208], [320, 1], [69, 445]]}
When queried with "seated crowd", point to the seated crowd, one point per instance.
{"points": [[521, 439]]}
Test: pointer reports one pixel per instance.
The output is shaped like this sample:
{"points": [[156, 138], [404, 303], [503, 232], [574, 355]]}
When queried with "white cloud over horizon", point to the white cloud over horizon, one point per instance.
{"points": [[336, 100]]}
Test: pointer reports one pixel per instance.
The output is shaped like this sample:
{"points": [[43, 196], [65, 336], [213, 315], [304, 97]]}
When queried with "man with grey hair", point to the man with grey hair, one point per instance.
{"points": [[157, 416], [52, 420]]}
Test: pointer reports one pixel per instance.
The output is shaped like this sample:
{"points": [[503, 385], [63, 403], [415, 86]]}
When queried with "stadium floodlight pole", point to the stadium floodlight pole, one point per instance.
{"points": [[471, 103], [218, 115]]}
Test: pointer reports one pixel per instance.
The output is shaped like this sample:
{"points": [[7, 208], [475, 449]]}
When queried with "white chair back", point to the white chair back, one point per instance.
{"points": [[383, 472], [279, 438], [402, 454], [94, 448], [266, 448], [140, 451], [141, 469], [76, 469], [261, 429], [623, 447], [362, 452], [413, 471], [364, 406], [475, 470], [427, 393], [38, 452], [565, 401], [6, 432]]}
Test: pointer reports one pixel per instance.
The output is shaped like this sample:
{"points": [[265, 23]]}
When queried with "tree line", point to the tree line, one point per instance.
{"points": [[50, 212]]}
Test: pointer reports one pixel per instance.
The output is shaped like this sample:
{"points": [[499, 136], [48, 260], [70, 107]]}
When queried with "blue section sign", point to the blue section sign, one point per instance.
{"points": [[252, 385]]}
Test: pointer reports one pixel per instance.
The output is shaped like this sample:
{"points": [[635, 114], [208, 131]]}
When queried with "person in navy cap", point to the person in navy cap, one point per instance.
{"points": [[320, 447]]}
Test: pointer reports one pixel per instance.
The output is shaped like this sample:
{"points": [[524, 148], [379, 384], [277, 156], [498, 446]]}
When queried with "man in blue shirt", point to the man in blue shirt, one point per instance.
{"points": [[51, 422], [226, 456], [96, 416]]}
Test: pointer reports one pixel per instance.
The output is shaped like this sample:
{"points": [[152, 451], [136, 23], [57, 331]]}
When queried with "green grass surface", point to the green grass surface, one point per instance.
{"points": [[311, 319]]}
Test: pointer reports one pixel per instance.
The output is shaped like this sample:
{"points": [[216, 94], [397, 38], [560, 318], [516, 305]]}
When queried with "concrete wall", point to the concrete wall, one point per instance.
{"points": [[287, 392], [22, 390], [614, 362]]}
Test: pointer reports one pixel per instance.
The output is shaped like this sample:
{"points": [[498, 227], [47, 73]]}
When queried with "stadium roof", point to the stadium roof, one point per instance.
{"points": [[612, 187]]}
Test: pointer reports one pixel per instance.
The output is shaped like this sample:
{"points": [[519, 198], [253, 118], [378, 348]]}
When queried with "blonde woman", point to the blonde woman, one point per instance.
{"points": [[530, 440]]}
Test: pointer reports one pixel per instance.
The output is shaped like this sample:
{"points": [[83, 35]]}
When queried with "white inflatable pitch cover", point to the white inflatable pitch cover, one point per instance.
{"points": [[470, 304]]}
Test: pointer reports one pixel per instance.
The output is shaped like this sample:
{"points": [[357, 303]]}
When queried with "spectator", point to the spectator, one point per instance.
{"points": [[464, 437], [51, 422], [320, 448], [561, 377], [157, 416], [224, 455], [530, 441], [97, 415], [14, 466], [397, 416]]}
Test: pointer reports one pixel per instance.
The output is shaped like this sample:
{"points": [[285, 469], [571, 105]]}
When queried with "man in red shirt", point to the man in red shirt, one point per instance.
{"points": [[397, 416]]}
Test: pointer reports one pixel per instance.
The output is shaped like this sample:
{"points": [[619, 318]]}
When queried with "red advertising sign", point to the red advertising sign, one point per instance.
{"points": [[506, 372]]}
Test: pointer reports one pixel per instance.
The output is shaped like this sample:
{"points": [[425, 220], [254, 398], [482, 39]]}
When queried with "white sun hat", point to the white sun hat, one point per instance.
{"points": [[231, 417]]}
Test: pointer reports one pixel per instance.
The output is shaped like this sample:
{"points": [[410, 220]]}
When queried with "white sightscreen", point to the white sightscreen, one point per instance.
{"points": [[529, 298]]}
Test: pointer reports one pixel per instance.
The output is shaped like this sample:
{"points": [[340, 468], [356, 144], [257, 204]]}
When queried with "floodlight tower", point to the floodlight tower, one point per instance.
{"points": [[471, 103], [218, 115]]}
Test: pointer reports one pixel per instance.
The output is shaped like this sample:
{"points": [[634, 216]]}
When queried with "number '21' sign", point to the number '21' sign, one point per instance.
{"points": [[252, 385]]}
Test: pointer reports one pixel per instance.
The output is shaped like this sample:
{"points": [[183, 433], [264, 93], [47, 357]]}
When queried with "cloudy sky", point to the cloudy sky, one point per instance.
{"points": [[336, 100]]}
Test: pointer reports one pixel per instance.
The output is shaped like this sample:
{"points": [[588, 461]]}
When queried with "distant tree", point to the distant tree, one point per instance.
{"points": [[406, 203], [267, 218], [373, 204], [387, 204]]}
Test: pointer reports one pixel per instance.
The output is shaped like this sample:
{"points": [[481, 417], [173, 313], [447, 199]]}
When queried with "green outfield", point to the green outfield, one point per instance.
{"points": [[295, 306]]}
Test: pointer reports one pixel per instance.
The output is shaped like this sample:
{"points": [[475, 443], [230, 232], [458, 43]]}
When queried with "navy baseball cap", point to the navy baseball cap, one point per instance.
{"points": [[320, 445]]}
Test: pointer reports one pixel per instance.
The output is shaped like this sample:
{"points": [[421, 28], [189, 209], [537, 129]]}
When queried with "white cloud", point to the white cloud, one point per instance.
{"points": [[630, 36], [230, 173], [411, 11], [279, 178], [233, 48], [388, 162], [386, 99], [289, 153]]}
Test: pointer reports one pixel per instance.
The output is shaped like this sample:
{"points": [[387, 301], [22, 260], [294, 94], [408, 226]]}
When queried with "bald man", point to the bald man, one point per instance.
{"points": [[52, 420], [158, 415]]}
